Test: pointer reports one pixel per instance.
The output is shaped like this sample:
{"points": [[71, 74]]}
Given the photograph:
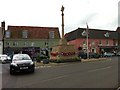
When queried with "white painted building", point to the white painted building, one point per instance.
{"points": [[1, 43]]}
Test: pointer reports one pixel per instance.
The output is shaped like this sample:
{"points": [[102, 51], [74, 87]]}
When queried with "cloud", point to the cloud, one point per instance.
{"points": [[119, 14]]}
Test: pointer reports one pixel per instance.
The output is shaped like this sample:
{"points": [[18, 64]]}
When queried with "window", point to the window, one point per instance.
{"points": [[107, 42], [0, 43], [24, 34], [116, 44], [7, 34], [100, 42], [84, 42], [107, 34], [93, 43], [51, 34], [15, 43], [7, 44], [25, 43], [32, 43]]}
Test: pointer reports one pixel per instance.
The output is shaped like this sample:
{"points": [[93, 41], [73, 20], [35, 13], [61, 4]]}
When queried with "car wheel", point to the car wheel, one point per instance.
{"points": [[11, 71], [33, 70]]}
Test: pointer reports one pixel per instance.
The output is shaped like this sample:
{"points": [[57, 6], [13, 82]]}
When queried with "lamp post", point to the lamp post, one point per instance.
{"points": [[3, 34]]}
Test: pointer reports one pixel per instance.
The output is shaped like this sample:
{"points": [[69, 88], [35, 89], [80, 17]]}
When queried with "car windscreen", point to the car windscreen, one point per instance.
{"points": [[21, 57]]}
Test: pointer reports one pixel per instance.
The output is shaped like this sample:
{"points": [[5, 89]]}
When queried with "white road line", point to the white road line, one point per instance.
{"points": [[118, 88], [42, 67], [100, 69], [59, 77]]}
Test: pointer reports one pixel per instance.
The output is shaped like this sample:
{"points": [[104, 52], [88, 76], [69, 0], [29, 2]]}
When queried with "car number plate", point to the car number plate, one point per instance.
{"points": [[23, 67]]}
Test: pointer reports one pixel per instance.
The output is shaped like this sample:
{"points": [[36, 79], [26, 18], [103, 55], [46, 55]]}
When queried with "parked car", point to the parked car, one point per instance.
{"points": [[91, 55], [82, 55], [20, 63], [4, 59], [108, 54], [118, 53]]}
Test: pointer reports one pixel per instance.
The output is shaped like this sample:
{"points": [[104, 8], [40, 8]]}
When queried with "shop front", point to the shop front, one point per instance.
{"points": [[108, 49]]}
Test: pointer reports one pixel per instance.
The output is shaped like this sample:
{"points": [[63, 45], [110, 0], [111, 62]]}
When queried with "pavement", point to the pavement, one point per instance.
{"points": [[40, 64], [94, 59]]}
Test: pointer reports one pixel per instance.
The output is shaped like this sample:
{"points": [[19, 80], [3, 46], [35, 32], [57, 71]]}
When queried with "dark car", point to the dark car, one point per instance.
{"points": [[82, 55], [91, 55], [20, 63]]}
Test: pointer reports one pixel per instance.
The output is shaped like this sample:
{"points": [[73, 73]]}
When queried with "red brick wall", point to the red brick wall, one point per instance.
{"points": [[79, 43]]}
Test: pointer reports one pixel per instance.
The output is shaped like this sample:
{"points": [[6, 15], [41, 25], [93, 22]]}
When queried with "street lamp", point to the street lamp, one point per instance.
{"points": [[3, 34]]}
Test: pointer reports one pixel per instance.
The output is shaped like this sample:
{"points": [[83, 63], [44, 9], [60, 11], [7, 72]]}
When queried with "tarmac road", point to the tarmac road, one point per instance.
{"points": [[97, 74]]}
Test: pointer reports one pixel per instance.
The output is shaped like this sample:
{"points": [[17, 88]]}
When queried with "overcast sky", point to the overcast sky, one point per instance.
{"points": [[99, 14]]}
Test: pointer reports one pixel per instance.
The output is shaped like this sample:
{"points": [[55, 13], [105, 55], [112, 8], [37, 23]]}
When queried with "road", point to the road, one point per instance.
{"points": [[0, 77], [97, 74]]}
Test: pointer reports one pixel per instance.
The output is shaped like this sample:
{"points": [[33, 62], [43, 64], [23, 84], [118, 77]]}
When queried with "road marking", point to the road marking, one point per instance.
{"points": [[42, 67], [59, 77], [118, 88], [100, 69]]}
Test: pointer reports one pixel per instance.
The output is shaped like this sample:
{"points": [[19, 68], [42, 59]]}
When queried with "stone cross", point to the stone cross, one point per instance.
{"points": [[62, 9]]}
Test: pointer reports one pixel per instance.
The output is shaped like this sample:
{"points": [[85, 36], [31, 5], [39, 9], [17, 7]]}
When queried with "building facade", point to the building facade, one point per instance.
{"points": [[1, 43], [30, 39], [98, 40], [118, 30]]}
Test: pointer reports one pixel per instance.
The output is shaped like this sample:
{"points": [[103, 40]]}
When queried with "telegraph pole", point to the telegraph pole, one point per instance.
{"points": [[87, 41]]}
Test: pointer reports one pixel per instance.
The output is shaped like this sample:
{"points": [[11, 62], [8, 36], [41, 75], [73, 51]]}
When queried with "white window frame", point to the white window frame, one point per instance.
{"points": [[25, 34], [7, 34], [51, 34]]}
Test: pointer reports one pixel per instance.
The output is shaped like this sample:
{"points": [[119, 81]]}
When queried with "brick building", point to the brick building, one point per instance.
{"points": [[30, 39], [98, 40], [118, 30]]}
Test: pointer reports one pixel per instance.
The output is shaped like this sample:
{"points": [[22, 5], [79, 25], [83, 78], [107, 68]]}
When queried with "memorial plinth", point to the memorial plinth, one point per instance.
{"points": [[63, 51]]}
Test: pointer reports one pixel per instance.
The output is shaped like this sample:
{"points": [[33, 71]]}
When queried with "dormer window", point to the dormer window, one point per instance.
{"points": [[8, 34], [25, 34], [51, 34], [107, 34]]}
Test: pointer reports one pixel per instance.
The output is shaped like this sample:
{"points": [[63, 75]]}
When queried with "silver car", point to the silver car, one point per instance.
{"points": [[21, 63], [108, 54], [4, 59]]}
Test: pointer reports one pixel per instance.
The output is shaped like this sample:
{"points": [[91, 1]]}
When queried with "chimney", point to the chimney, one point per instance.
{"points": [[3, 27]]}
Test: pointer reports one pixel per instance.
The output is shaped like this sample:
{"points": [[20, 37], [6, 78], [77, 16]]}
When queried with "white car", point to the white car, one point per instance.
{"points": [[4, 58], [20, 63], [108, 54]]}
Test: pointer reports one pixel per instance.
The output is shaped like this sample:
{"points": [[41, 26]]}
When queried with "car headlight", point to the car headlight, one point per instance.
{"points": [[31, 63], [14, 64]]}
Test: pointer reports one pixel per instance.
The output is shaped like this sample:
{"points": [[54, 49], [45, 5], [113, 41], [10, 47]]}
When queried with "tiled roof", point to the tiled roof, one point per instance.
{"points": [[93, 34], [33, 32], [0, 33], [118, 30]]}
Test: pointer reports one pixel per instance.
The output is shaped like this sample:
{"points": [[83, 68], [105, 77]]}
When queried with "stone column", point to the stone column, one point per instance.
{"points": [[62, 9]]}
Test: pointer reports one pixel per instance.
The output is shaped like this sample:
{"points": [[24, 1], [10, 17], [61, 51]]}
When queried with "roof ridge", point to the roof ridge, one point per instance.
{"points": [[96, 29], [30, 26]]}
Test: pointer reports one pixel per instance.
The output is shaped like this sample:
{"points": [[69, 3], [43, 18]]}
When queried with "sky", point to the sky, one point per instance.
{"points": [[98, 14]]}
